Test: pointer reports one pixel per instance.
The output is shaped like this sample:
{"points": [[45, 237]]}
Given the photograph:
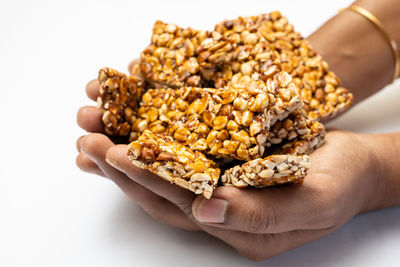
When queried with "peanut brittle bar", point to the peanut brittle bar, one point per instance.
{"points": [[321, 90], [239, 54], [224, 123], [305, 144], [119, 100], [175, 163], [288, 129], [272, 170], [256, 47], [170, 58], [296, 134], [180, 57]]}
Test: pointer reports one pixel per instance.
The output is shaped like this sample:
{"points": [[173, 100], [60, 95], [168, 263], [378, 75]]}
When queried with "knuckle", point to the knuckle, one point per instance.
{"points": [[262, 219], [186, 207], [328, 205], [92, 141], [332, 213], [259, 217]]}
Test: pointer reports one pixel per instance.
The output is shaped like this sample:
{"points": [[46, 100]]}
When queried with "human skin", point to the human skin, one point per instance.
{"points": [[358, 53], [350, 174]]}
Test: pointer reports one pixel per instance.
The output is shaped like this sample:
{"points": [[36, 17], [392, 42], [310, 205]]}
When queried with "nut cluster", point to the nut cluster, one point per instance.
{"points": [[224, 123], [251, 90], [305, 144], [295, 125], [174, 162], [255, 47], [170, 59], [272, 170], [119, 98], [296, 134], [322, 94]]}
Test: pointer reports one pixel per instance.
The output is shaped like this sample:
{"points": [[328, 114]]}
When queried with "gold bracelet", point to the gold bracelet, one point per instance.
{"points": [[395, 50]]}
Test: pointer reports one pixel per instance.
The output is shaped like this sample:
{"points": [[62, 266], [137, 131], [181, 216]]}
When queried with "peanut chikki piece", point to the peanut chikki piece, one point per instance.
{"points": [[288, 129], [272, 170], [252, 46], [180, 57], [321, 90], [175, 163], [119, 100], [241, 54], [305, 144], [296, 134], [225, 123], [170, 58]]}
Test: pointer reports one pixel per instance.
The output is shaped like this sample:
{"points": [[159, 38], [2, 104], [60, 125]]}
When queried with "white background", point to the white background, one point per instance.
{"points": [[51, 214]]}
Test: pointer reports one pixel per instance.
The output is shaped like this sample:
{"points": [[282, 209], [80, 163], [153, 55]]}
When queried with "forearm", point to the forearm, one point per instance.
{"points": [[356, 51]]}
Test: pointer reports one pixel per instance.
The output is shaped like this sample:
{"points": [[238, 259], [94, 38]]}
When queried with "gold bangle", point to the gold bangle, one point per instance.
{"points": [[395, 50]]}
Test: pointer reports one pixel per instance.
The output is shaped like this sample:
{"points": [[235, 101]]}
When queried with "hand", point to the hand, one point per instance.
{"points": [[92, 150], [259, 223]]}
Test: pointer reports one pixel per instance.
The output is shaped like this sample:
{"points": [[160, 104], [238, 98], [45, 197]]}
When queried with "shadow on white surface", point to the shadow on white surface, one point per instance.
{"points": [[364, 235], [365, 238], [132, 226]]}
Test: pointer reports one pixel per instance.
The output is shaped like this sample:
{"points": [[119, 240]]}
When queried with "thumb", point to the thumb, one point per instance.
{"points": [[268, 210]]}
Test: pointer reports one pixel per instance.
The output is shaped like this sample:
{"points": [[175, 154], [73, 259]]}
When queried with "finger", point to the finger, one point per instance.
{"points": [[87, 165], [89, 119], [259, 247], [180, 197], [78, 143], [132, 64], [160, 208], [268, 210], [96, 146], [93, 89]]}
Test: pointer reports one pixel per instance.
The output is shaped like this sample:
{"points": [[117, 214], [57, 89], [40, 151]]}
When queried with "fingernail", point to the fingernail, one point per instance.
{"points": [[84, 151], [79, 145], [212, 210]]}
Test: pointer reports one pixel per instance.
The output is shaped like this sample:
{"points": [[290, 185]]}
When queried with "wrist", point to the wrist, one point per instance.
{"points": [[387, 11], [385, 163], [356, 52]]}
